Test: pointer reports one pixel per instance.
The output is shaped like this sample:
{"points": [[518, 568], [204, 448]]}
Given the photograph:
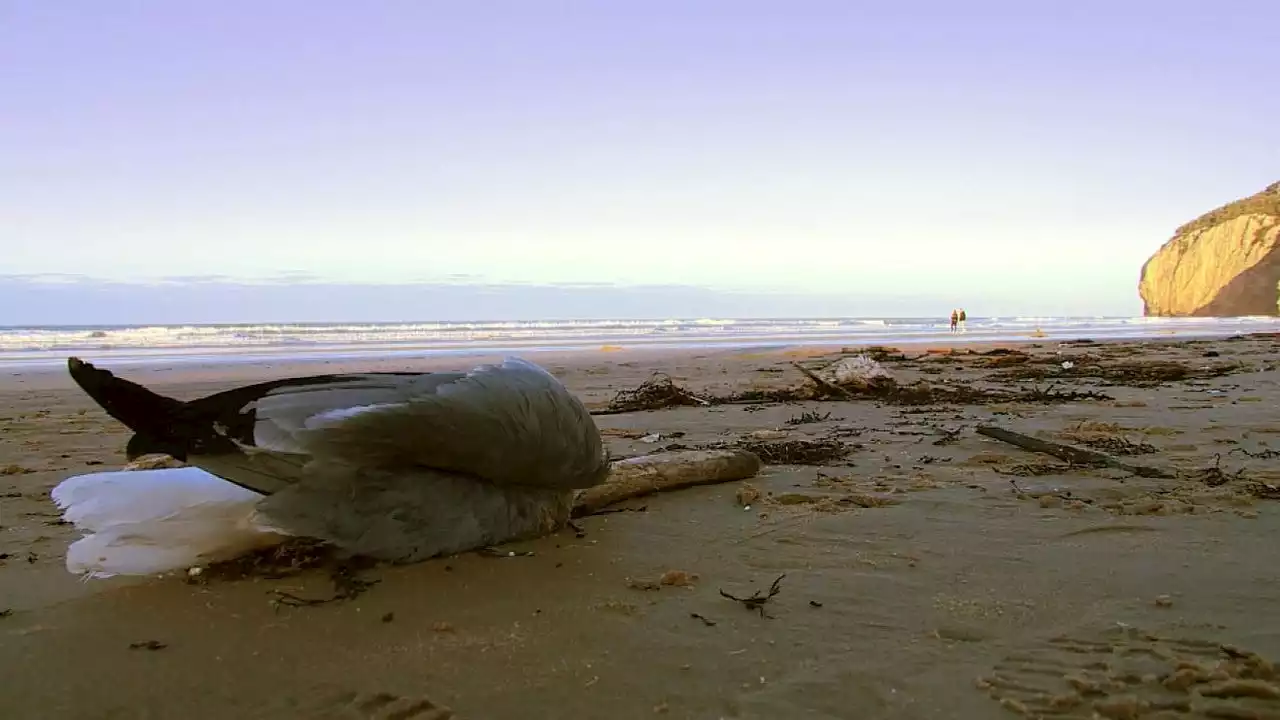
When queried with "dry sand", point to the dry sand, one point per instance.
{"points": [[967, 579]]}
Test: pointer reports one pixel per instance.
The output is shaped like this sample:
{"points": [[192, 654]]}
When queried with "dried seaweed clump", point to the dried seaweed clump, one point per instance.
{"points": [[797, 452], [288, 558], [1109, 442], [922, 393], [1052, 394], [1135, 373], [1214, 476], [656, 393]]}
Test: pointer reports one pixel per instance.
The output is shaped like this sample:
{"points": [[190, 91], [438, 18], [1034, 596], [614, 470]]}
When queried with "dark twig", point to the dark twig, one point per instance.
{"points": [[756, 601]]}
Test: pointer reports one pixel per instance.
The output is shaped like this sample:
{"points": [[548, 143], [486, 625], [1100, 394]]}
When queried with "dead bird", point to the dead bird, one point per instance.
{"points": [[393, 465]]}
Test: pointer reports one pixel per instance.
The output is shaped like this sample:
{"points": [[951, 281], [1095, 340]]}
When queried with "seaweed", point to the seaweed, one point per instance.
{"points": [[656, 393], [797, 452]]}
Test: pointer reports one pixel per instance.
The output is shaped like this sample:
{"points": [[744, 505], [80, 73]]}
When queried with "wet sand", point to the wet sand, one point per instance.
{"points": [[929, 573]]}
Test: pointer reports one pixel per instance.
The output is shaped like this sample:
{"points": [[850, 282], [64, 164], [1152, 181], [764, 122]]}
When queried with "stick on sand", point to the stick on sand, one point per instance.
{"points": [[659, 472], [830, 388], [1070, 453]]}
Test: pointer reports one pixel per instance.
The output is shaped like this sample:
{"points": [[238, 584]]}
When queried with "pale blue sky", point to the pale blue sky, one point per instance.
{"points": [[1013, 157]]}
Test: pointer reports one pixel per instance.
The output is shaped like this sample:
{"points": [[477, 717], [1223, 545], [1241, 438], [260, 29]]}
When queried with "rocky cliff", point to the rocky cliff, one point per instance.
{"points": [[1223, 263]]}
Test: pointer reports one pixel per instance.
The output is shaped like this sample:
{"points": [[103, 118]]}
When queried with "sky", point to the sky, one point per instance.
{"points": [[315, 160]]}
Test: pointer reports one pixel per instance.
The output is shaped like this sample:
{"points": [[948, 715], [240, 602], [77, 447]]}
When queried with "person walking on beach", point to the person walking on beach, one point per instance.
{"points": [[955, 320], [962, 318]]}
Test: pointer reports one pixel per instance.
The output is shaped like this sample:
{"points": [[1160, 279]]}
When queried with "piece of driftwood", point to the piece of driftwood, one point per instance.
{"points": [[1070, 453], [829, 387], [659, 472]]}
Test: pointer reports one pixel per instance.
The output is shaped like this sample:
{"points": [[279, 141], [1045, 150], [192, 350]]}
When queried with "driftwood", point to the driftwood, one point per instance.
{"points": [[828, 387], [1071, 453], [648, 474]]}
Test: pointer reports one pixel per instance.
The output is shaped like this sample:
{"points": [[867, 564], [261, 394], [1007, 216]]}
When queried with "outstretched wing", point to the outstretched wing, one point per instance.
{"points": [[511, 424]]}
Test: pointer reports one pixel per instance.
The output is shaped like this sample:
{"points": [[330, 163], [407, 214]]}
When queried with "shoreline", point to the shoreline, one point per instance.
{"points": [[25, 351], [231, 357]]}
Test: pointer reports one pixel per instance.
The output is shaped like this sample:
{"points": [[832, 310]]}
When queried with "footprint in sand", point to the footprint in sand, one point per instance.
{"points": [[1126, 674], [375, 706]]}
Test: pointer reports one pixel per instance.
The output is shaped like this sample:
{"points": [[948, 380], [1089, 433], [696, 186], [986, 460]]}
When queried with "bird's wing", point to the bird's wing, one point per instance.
{"points": [[282, 414], [511, 424]]}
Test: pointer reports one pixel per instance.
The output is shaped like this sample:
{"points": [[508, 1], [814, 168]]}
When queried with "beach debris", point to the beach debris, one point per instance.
{"points": [[1052, 394], [1107, 438], [670, 578], [1132, 373], [148, 645], [1264, 491], [656, 393], [1033, 469], [626, 433], [1264, 454], [948, 437], [768, 434], [154, 461], [825, 387], [497, 552], [678, 578], [665, 471], [799, 451], [747, 495], [286, 559], [856, 371], [1073, 455], [347, 585], [290, 558], [705, 620], [613, 510], [1214, 475], [758, 599], [808, 417]]}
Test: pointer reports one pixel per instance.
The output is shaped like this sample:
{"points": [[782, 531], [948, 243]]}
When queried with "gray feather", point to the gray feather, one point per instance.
{"points": [[406, 516], [509, 424]]}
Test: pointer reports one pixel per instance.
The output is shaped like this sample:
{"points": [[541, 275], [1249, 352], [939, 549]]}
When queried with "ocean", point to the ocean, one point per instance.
{"points": [[29, 347]]}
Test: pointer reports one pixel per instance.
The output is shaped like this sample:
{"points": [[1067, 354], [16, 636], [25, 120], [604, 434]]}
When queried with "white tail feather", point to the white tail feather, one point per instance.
{"points": [[149, 522]]}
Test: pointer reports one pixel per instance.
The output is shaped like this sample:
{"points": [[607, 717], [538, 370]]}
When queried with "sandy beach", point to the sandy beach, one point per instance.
{"points": [[926, 571]]}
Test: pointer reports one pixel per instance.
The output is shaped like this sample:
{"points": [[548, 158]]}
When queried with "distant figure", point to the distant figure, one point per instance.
{"points": [[955, 320], [963, 317]]}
